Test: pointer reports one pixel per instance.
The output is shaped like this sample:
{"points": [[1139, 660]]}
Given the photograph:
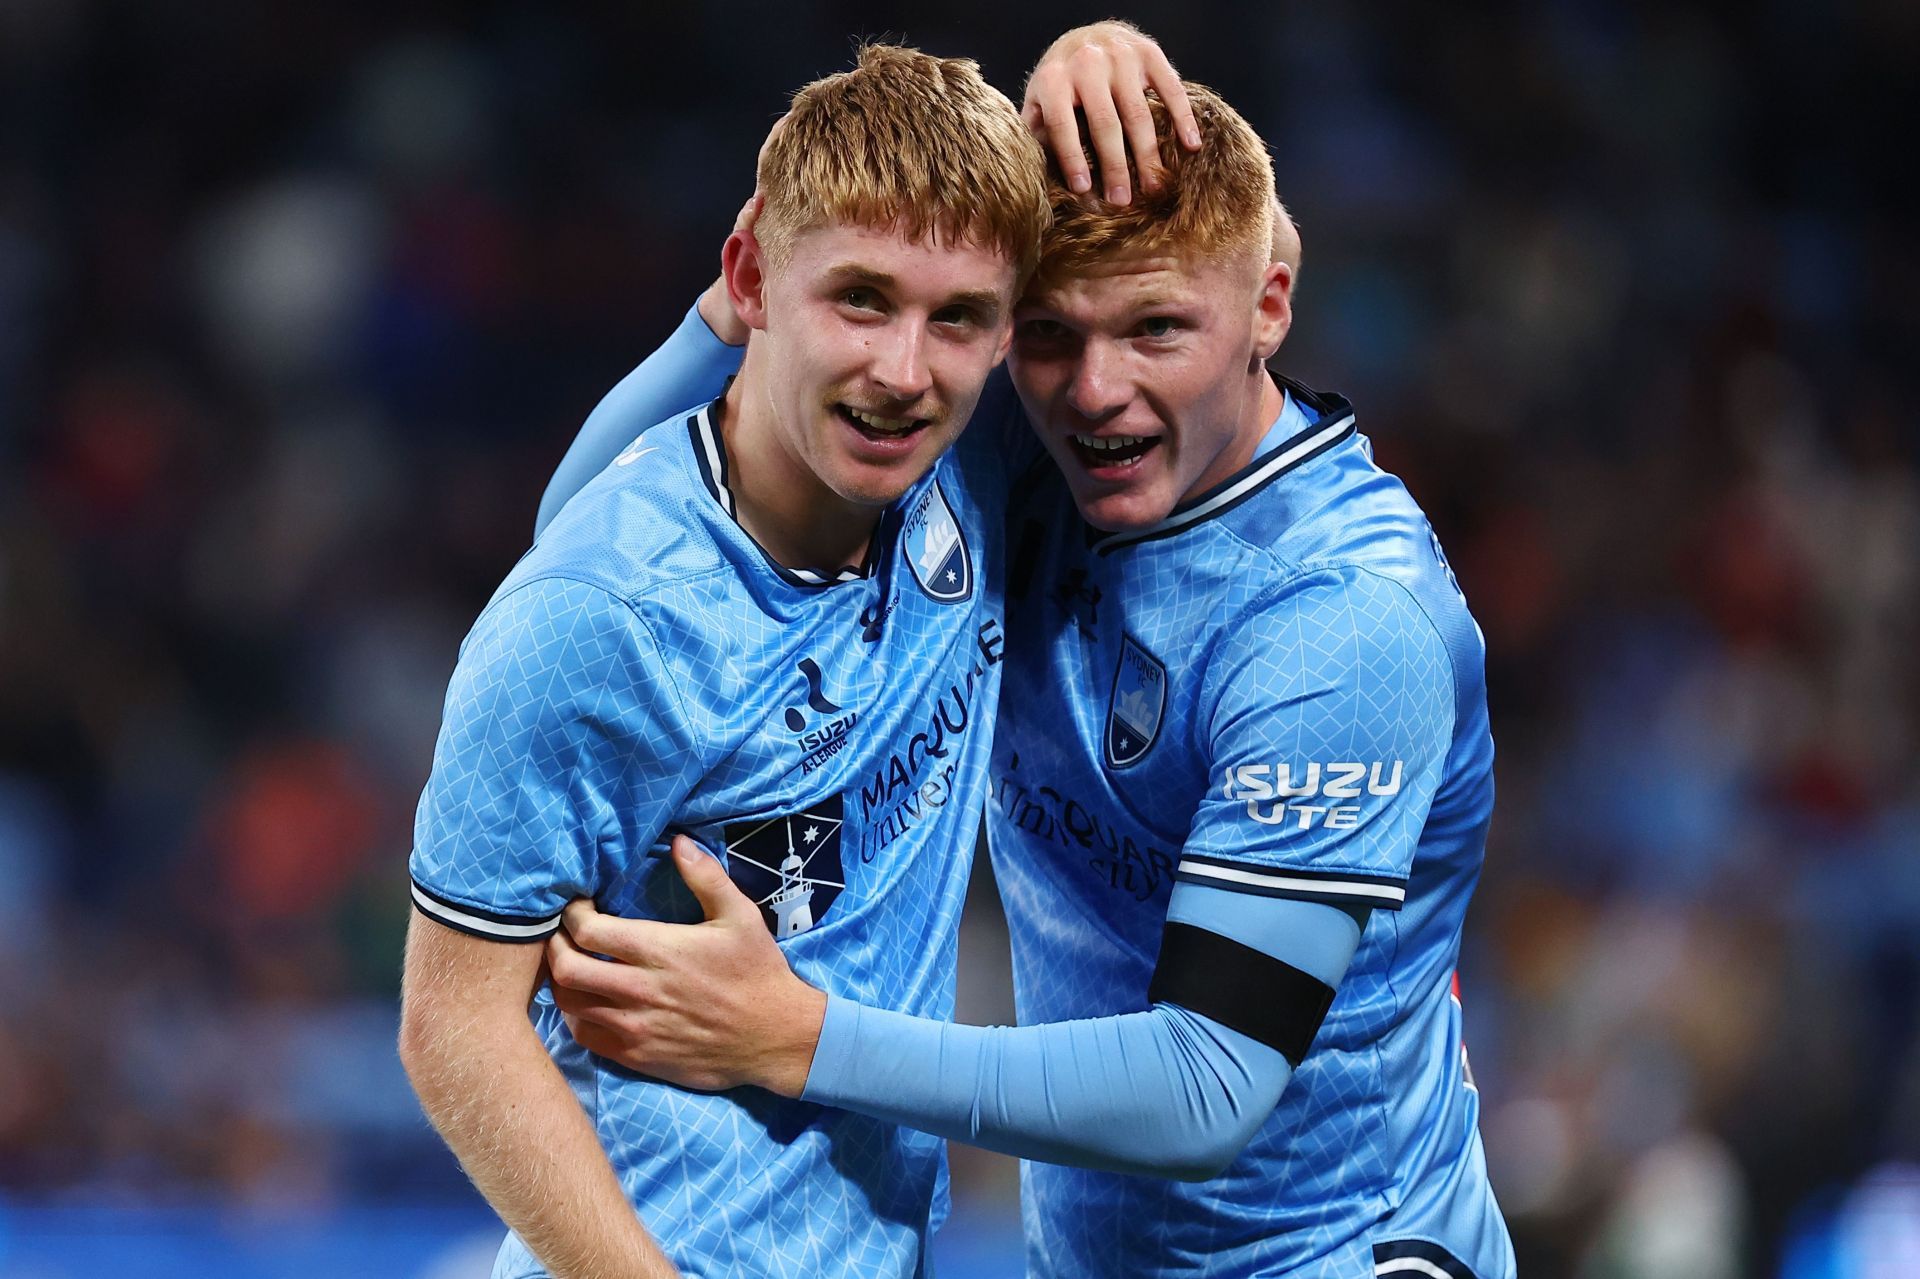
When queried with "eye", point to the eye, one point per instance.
{"points": [[860, 298], [1042, 330], [1159, 326], [959, 316]]}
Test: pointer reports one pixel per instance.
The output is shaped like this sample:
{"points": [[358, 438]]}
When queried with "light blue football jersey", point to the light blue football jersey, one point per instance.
{"points": [[1277, 690], [648, 668]]}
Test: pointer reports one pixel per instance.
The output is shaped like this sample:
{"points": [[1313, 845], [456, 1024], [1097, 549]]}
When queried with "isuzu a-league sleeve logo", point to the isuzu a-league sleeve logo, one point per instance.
{"points": [[1139, 702], [935, 549], [789, 866]]}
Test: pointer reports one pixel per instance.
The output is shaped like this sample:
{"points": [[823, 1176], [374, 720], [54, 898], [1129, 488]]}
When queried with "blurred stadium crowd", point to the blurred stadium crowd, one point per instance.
{"points": [[300, 304]]}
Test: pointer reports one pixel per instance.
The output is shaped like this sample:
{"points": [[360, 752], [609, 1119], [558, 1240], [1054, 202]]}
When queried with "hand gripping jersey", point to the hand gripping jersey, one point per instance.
{"points": [[1278, 691], [646, 668]]}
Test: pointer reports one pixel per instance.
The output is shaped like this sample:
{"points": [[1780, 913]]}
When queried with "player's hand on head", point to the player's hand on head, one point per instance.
{"points": [[1105, 70], [710, 1005]]}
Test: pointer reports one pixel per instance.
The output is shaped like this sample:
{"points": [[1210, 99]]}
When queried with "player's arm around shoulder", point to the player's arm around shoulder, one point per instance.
{"points": [[689, 368]]}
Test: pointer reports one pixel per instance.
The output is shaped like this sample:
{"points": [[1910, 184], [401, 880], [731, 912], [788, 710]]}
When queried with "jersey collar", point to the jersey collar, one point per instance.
{"points": [[1333, 423], [710, 452]]}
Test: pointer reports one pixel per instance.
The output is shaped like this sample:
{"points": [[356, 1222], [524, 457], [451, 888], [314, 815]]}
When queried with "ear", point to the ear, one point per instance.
{"points": [[1006, 342], [743, 265], [1273, 310]]}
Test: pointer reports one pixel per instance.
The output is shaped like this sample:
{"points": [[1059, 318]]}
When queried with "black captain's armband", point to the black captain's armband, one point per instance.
{"points": [[1261, 997]]}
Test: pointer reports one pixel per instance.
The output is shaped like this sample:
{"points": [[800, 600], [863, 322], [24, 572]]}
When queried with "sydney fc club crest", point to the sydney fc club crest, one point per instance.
{"points": [[935, 549], [789, 866], [1139, 703]]}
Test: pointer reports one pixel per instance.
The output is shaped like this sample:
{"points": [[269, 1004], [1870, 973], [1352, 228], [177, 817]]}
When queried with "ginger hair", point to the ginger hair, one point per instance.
{"points": [[1215, 202], [909, 141]]}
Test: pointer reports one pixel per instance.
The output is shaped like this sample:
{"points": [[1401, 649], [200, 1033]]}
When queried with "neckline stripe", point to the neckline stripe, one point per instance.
{"points": [[712, 456], [715, 470]]}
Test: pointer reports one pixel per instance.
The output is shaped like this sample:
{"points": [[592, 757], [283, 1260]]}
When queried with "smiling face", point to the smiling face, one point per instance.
{"points": [[1143, 376], [870, 352]]}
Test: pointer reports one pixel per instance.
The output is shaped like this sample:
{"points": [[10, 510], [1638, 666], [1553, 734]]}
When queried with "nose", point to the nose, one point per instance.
{"points": [[1097, 389], [900, 360]]}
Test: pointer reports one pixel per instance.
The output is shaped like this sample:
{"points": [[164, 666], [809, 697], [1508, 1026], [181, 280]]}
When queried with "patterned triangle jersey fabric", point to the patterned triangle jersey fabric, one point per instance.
{"points": [[647, 668], [1279, 690]]}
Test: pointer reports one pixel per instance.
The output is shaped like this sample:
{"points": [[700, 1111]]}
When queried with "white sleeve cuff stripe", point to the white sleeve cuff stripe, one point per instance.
{"points": [[1411, 1266], [1396, 893], [461, 919]]}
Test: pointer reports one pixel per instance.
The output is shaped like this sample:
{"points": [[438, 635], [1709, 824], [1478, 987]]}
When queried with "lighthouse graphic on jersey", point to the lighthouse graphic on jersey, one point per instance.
{"points": [[789, 865], [792, 906]]}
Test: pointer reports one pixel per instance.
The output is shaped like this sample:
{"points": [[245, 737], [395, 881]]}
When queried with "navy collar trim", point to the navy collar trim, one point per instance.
{"points": [[710, 453]]}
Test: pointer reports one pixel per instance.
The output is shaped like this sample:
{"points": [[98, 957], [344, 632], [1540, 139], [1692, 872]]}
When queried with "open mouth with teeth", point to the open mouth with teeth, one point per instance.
{"points": [[876, 427], [1113, 450]]}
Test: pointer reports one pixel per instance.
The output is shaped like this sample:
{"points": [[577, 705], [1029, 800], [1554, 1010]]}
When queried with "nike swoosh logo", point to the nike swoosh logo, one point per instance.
{"points": [[628, 459]]}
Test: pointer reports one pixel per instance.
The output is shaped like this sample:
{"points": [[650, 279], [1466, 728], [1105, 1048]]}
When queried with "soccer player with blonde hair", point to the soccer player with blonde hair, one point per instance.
{"points": [[1241, 786], [761, 605]]}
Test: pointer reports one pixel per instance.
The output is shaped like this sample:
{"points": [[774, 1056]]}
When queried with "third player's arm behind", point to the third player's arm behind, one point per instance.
{"points": [[688, 369]]}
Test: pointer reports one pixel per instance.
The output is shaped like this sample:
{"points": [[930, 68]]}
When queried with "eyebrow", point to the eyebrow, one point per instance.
{"points": [[985, 301], [856, 274], [1159, 302]]}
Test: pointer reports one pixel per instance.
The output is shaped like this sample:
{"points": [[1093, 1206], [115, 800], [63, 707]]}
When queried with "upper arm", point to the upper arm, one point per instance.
{"points": [[1263, 968], [453, 980], [563, 752], [1329, 710], [462, 1001]]}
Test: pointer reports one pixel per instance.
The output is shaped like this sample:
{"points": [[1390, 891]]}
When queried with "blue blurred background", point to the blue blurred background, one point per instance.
{"points": [[300, 303]]}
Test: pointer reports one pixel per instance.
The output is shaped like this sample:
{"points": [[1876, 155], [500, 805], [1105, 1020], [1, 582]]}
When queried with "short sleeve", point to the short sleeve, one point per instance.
{"points": [[1329, 711], [563, 750]]}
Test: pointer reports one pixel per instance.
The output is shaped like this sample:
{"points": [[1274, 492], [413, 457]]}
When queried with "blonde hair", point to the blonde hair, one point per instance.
{"points": [[906, 140], [1214, 202]]}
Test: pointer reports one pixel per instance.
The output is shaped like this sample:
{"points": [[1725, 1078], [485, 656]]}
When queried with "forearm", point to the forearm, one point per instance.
{"points": [[1161, 1092], [518, 1131], [1167, 1091]]}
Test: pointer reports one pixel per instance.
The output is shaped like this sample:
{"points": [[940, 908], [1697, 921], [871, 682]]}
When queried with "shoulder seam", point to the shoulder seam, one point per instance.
{"points": [[1290, 567]]}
